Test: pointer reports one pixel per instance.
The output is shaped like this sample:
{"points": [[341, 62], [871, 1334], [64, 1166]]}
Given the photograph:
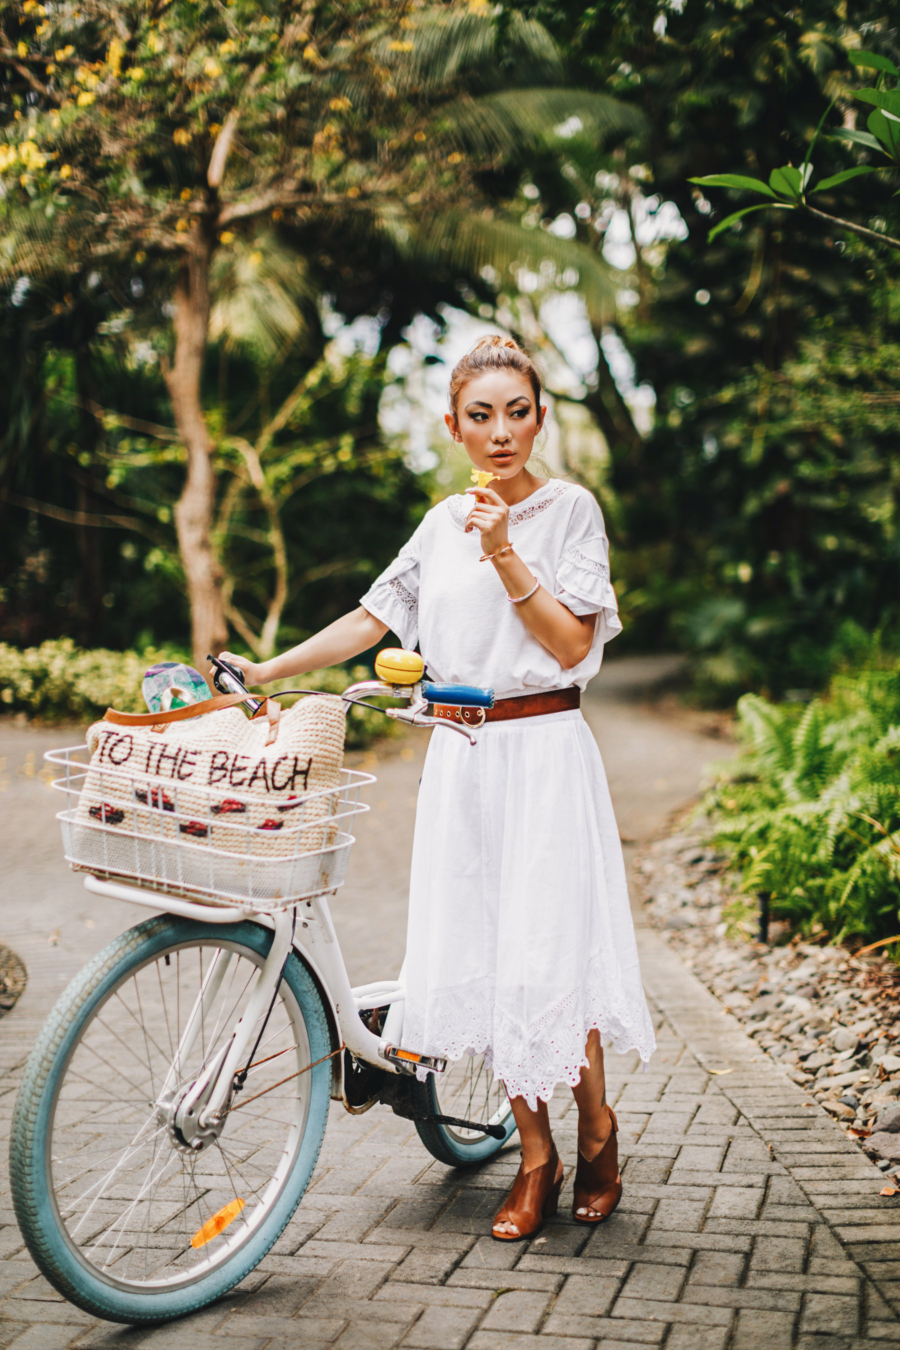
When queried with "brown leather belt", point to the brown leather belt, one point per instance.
{"points": [[506, 709]]}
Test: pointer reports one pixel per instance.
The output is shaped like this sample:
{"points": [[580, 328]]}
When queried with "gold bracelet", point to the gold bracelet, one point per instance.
{"points": [[499, 553]]}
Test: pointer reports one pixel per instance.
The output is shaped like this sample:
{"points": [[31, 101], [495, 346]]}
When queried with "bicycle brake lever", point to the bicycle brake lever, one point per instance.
{"points": [[414, 718]]}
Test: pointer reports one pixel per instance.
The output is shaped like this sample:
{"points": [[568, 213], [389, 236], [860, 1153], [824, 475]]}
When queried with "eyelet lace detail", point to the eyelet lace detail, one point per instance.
{"points": [[460, 507], [406, 597], [532, 1060], [575, 555]]}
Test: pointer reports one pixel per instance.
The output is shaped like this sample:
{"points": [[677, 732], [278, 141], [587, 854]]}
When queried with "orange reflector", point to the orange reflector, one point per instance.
{"points": [[407, 1054], [217, 1224]]}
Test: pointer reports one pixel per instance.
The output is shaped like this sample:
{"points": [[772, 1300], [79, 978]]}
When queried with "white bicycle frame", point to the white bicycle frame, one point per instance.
{"points": [[307, 929]]}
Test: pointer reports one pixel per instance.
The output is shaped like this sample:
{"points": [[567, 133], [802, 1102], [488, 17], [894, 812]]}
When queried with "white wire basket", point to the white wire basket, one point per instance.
{"points": [[197, 844]]}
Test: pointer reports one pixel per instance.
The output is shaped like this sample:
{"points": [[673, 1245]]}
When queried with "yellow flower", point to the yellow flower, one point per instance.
{"points": [[41, 29], [31, 156], [155, 43], [8, 156], [136, 73], [455, 158], [226, 237], [63, 53], [255, 259], [84, 99], [182, 136], [278, 214], [22, 49], [215, 128], [140, 257], [185, 194], [419, 136], [226, 48], [65, 171], [212, 68], [480, 478], [29, 5], [353, 192], [114, 55], [311, 54], [51, 68], [340, 104], [181, 225], [401, 46]]}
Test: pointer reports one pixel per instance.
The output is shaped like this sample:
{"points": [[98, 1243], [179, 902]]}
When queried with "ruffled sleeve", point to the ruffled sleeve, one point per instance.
{"points": [[394, 596], [582, 577]]}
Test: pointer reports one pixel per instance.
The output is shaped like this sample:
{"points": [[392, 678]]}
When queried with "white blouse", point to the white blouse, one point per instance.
{"points": [[437, 595]]}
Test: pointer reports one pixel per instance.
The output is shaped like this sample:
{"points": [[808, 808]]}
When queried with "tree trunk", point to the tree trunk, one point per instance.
{"points": [[194, 511]]}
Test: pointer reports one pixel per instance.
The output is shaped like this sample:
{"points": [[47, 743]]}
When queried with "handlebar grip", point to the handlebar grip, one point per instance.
{"points": [[462, 695]]}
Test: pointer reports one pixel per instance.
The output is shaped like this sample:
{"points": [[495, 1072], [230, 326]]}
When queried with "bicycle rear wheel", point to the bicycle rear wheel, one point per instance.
{"points": [[468, 1090], [123, 1216]]}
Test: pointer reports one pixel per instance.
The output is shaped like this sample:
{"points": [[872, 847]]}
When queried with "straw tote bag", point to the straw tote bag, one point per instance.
{"points": [[206, 778]]}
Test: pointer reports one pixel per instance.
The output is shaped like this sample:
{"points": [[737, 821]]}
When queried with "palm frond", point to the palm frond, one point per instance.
{"points": [[257, 289], [444, 46], [473, 242], [524, 119]]}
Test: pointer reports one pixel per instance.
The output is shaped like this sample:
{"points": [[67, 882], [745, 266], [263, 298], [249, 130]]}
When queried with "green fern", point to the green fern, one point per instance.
{"points": [[810, 811]]}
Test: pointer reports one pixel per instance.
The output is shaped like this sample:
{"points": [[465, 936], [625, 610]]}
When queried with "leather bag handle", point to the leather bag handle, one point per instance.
{"points": [[270, 707]]}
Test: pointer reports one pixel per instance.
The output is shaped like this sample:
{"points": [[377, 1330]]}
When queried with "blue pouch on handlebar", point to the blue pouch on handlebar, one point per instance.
{"points": [[463, 695]]}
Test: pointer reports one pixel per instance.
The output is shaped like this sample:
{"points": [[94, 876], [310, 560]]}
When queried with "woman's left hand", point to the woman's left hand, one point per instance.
{"points": [[491, 517]]}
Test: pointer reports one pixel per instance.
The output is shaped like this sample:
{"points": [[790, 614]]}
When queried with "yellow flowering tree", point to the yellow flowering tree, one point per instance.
{"points": [[163, 133]]}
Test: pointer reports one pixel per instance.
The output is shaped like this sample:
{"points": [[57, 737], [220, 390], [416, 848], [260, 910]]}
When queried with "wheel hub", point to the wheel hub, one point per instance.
{"points": [[190, 1128]]}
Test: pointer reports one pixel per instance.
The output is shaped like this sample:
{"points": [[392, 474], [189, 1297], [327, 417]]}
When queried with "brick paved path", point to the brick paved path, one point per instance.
{"points": [[748, 1221]]}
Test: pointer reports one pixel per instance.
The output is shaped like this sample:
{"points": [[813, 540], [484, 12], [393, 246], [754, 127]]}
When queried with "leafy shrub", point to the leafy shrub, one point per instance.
{"points": [[810, 811], [58, 681]]}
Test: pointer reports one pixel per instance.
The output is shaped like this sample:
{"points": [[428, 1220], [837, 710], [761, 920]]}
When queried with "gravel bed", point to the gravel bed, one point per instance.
{"points": [[829, 1019]]}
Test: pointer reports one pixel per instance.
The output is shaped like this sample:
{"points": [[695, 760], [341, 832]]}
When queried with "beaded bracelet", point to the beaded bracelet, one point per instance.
{"points": [[520, 599], [485, 557]]}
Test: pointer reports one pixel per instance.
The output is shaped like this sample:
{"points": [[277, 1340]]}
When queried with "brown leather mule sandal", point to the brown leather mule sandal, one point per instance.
{"points": [[598, 1185], [533, 1198]]}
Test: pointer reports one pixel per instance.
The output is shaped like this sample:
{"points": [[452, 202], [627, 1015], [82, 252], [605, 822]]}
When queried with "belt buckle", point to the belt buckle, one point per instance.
{"points": [[465, 716]]}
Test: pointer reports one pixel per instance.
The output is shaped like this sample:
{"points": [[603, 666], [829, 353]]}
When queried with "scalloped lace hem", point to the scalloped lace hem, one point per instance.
{"points": [[531, 1061]]}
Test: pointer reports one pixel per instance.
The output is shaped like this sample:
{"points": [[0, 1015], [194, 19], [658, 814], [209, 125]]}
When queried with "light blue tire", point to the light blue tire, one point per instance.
{"points": [[58, 1257]]}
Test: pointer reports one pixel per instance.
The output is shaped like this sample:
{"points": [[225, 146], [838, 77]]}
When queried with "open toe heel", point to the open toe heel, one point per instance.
{"points": [[533, 1198], [598, 1185]]}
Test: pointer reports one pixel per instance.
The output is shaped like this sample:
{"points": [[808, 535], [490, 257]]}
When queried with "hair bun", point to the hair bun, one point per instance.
{"points": [[496, 340]]}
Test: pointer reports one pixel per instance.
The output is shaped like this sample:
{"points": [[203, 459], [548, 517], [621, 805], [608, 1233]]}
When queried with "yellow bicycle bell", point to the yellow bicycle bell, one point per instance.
{"points": [[396, 666]]}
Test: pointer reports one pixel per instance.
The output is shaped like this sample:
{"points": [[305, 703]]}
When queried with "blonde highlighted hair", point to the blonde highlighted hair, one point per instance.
{"points": [[493, 353]]}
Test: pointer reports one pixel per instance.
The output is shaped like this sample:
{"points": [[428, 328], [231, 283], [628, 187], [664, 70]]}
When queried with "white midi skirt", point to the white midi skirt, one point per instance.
{"points": [[520, 937]]}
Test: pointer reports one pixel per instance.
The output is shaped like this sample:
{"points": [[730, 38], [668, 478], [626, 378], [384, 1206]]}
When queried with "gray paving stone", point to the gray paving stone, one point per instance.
{"points": [[511, 1340], [722, 1269], [755, 1330], [442, 1328], [518, 1310], [732, 1202], [830, 1313], [654, 1282], [637, 1309], [697, 1338], [589, 1295]]}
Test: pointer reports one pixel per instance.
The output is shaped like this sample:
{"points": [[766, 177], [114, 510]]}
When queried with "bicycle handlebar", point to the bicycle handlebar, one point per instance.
{"points": [[460, 695]]}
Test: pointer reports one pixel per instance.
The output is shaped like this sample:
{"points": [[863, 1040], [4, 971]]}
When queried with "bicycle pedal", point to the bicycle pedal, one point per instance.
{"points": [[408, 1061]]}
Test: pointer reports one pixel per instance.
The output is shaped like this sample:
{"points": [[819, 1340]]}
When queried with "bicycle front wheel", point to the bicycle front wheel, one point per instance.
{"points": [[124, 1212]]}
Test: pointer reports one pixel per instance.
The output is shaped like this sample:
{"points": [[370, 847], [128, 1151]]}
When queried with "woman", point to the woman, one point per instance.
{"points": [[520, 941]]}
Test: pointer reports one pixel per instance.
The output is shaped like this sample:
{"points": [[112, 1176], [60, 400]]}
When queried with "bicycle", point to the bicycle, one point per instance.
{"points": [[173, 1107]]}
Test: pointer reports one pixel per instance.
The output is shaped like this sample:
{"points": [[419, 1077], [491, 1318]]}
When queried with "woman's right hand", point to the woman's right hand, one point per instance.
{"points": [[254, 673]]}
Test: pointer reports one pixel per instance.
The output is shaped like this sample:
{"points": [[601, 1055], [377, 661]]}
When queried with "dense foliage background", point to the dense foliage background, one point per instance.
{"points": [[365, 185]]}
